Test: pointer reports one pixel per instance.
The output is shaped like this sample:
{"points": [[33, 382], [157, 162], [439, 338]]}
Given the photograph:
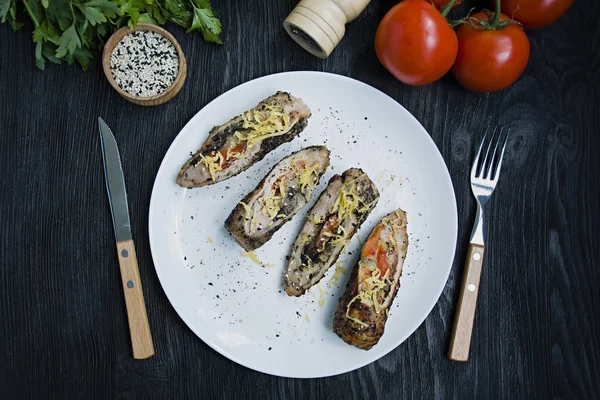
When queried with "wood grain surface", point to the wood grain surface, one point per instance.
{"points": [[63, 330]]}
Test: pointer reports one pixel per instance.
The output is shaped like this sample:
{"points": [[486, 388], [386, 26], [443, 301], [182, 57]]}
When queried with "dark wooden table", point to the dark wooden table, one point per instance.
{"points": [[63, 331]]}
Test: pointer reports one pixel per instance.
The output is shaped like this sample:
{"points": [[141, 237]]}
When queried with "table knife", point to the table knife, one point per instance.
{"points": [[141, 338]]}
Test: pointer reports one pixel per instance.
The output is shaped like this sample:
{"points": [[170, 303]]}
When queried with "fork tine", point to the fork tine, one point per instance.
{"points": [[476, 160], [482, 171], [488, 173], [497, 170]]}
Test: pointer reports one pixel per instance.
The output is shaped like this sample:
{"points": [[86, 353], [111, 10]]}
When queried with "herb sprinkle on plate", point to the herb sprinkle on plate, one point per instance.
{"points": [[144, 63]]}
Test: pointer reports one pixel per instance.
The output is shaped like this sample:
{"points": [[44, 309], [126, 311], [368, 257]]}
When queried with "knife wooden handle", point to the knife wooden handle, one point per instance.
{"points": [[460, 341], [141, 338]]}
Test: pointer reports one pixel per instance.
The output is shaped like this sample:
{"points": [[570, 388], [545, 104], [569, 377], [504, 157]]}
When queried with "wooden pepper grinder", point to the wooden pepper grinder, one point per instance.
{"points": [[319, 25]]}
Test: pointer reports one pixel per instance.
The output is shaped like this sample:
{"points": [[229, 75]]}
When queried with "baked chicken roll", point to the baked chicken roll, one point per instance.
{"points": [[286, 189], [363, 309], [246, 139], [330, 224]]}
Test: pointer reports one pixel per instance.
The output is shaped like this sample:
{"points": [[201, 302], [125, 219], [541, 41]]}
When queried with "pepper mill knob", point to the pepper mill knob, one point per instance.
{"points": [[319, 25]]}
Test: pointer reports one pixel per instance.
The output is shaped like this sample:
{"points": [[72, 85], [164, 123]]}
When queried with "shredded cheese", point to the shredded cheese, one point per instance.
{"points": [[271, 206], [345, 202], [339, 270], [322, 295], [368, 292], [247, 209], [309, 176], [260, 125], [232, 155], [282, 187], [358, 321], [340, 238], [210, 240], [213, 163], [317, 221], [253, 257], [366, 207]]}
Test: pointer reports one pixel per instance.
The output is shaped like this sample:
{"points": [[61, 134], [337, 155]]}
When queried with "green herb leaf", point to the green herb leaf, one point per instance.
{"points": [[39, 59], [133, 10], [109, 8], [68, 42], [4, 9], [49, 51], [47, 32], [146, 19], [8, 10], [66, 31], [83, 57], [59, 13], [102, 30], [93, 15], [205, 21]]}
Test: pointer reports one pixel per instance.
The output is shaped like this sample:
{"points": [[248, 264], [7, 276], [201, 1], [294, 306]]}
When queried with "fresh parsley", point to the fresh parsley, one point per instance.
{"points": [[66, 31]]}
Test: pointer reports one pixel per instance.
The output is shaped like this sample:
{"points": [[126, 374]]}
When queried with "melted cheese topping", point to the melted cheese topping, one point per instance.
{"points": [[258, 125], [309, 177], [346, 202], [368, 293], [253, 257], [340, 238], [232, 155], [317, 221], [213, 163], [339, 270], [261, 125], [281, 185], [247, 209], [271, 206]]}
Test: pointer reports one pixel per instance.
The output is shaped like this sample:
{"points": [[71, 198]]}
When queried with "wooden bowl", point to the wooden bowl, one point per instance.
{"points": [[149, 100]]}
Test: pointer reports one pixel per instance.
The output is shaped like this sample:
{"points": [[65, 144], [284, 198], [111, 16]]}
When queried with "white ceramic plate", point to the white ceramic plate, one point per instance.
{"points": [[238, 307]]}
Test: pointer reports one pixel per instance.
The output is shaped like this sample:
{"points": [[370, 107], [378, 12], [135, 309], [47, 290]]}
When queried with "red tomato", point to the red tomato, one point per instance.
{"points": [[441, 3], [382, 261], [370, 248], [415, 43], [490, 60], [534, 14]]}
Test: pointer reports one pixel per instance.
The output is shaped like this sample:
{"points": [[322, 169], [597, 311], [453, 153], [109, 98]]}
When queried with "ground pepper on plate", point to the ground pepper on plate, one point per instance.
{"points": [[144, 63]]}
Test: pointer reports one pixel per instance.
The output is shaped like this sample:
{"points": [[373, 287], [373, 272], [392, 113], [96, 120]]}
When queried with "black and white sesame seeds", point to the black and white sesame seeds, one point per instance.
{"points": [[144, 63]]}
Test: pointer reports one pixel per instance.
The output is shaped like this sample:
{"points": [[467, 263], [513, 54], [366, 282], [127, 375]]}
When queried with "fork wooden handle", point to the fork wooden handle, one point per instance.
{"points": [[141, 338], [460, 341]]}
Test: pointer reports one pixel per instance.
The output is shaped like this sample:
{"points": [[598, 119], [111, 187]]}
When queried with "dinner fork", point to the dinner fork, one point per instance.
{"points": [[484, 177]]}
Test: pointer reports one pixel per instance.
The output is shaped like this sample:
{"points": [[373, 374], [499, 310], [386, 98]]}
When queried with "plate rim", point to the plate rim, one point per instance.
{"points": [[215, 346]]}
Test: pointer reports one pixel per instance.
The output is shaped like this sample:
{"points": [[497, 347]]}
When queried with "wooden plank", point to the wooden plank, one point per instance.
{"points": [[534, 334]]}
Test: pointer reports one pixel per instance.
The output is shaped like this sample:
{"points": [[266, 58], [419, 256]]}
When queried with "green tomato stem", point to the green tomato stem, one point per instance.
{"points": [[496, 18], [446, 9]]}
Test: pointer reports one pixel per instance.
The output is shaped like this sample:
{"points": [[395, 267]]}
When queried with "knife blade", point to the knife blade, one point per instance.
{"points": [[141, 338]]}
